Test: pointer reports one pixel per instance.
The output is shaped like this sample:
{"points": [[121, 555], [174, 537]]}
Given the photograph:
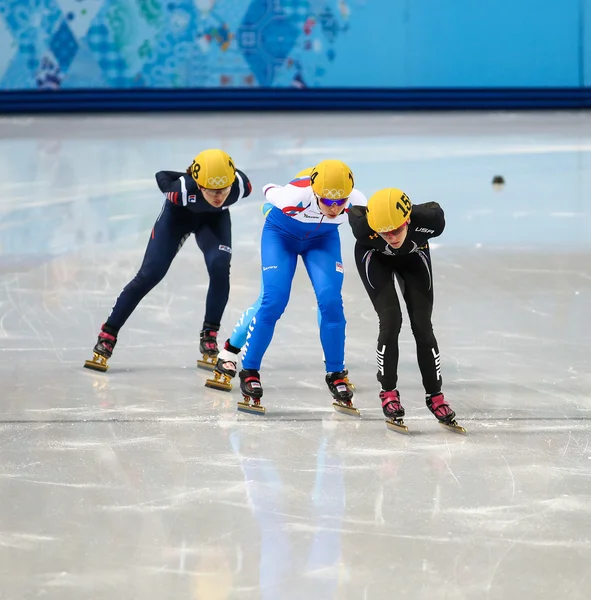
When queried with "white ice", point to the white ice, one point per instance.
{"points": [[141, 483]]}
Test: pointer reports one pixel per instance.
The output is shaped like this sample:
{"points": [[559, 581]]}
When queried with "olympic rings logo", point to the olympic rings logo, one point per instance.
{"points": [[218, 181], [386, 229], [332, 194]]}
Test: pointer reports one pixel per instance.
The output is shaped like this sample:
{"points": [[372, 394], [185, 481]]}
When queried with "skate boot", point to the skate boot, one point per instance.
{"points": [[103, 349], [341, 392], [445, 415], [252, 390], [393, 411], [225, 369], [208, 346]]}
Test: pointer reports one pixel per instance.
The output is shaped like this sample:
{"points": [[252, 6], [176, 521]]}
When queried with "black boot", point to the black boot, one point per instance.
{"points": [[250, 384], [337, 384]]}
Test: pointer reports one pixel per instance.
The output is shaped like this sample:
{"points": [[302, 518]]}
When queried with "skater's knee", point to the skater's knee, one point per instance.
{"points": [[390, 320], [273, 304], [331, 306], [422, 328], [148, 278], [219, 265]]}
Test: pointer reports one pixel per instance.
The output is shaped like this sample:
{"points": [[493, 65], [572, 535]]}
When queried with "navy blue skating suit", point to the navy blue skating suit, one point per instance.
{"points": [[185, 212]]}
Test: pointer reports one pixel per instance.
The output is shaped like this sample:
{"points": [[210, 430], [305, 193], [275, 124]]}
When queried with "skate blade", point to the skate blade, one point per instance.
{"points": [[453, 426], [253, 409], [346, 410], [217, 383], [396, 425], [207, 363], [98, 363]]}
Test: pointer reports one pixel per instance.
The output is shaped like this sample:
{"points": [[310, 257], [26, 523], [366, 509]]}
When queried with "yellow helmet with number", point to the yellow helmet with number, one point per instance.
{"points": [[213, 169], [332, 179], [388, 209]]}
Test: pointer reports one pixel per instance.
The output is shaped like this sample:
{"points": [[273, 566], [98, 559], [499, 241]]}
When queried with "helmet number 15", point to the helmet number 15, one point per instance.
{"points": [[404, 205]]}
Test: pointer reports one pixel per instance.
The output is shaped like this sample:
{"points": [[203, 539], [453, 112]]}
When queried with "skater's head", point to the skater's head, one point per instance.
{"points": [[332, 183], [214, 172], [388, 214]]}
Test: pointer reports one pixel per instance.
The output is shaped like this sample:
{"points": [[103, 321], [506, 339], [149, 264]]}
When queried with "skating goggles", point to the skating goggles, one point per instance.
{"points": [[397, 231], [212, 192], [331, 202]]}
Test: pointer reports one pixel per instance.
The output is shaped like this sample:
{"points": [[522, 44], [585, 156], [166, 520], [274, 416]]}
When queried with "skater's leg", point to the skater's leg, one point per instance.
{"points": [[279, 259], [228, 357], [214, 238], [416, 281], [325, 269], [166, 239], [238, 337], [376, 273], [324, 265]]}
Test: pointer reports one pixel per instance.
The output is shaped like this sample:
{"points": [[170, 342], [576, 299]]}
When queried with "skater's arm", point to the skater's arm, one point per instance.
{"points": [[358, 221], [428, 218], [169, 181], [361, 229], [357, 199], [241, 188], [246, 186], [287, 197]]}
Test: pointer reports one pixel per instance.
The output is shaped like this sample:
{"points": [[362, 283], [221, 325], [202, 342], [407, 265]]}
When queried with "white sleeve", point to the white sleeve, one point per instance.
{"points": [[286, 196], [357, 199]]}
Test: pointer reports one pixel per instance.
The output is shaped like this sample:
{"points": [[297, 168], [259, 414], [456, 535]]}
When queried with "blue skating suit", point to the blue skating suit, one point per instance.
{"points": [[295, 226]]}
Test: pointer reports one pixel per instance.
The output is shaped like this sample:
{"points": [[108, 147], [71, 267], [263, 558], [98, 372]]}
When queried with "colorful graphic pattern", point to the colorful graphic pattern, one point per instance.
{"points": [[65, 44]]}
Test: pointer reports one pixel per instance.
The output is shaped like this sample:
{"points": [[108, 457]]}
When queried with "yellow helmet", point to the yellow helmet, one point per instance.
{"points": [[213, 169], [388, 209], [304, 173], [332, 179]]}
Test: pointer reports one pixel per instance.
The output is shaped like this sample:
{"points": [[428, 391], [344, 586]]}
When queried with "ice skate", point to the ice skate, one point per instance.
{"points": [[346, 380], [445, 415], [208, 346], [252, 392], [393, 411], [224, 372], [341, 392], [103, 351]]}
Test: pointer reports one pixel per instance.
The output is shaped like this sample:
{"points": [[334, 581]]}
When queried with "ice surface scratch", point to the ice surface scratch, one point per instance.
{"points": [[570, 437], [512, 478], [447, 464], [452, 473]]}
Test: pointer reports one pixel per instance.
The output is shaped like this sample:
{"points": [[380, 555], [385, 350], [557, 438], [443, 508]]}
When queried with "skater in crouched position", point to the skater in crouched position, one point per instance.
{"points": [[393, 242], [302, 220], [196, 202], [226, 366]]}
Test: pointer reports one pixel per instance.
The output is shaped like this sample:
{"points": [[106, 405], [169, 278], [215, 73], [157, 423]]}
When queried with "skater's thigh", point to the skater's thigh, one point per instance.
{"points": [[417, 283], [377, 275], [214, 237], [166, 238], [279, 256], [324, 264]]}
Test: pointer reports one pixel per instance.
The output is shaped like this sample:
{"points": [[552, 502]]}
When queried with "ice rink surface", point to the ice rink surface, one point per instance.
{"points": [[142, 484]]}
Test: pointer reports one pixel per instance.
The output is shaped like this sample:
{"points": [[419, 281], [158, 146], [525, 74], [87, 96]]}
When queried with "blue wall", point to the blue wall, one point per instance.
{"points": [[401, 49]]}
